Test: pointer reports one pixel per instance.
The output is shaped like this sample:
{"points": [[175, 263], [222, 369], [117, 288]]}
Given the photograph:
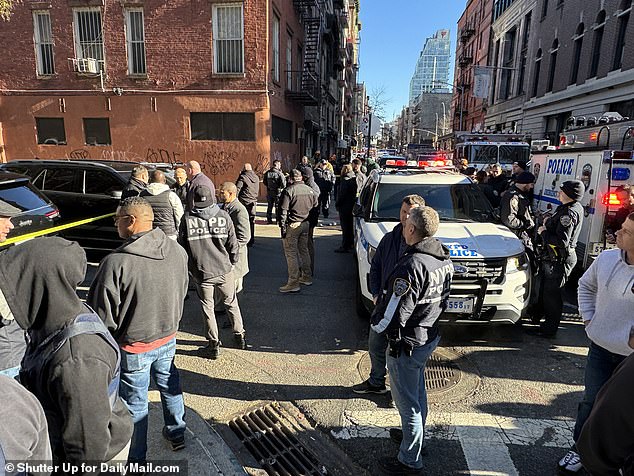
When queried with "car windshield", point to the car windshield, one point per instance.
{"points": [[22, 196], [501, 154], [453, 202]]}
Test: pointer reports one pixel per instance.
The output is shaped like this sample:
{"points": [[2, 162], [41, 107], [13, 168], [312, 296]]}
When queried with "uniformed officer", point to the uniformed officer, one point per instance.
{"points": [[275, 182], [515, 209], [559, 234]]}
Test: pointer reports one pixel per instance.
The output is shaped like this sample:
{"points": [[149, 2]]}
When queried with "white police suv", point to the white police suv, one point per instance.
{"points": [[491, 280]]}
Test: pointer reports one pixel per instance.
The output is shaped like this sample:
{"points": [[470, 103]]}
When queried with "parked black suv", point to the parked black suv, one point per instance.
{"points": [[36, 212], [81, 189]]}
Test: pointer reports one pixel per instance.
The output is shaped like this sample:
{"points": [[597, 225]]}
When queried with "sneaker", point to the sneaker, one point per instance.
{"points": [[365, 387], [241, 342], [392, 465], [177, 442], [289, 288], [211, 351], [571, 463], [305, 281]]}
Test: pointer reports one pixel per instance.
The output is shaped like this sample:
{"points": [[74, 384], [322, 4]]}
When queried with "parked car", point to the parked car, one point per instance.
{"points": [[36, 212], [81, 189]]}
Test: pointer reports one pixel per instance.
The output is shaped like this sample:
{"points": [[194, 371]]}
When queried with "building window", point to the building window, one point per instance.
{"points": [[538, 67], [88, 35], [97, 131], [553, 65], [576, 55], [281, 130], [228, 38], [50, 130], [544, 9], [43, 43], [289, 62], [135, 36], [300, 63], [624, 18], [275, 38], [596, 44], [237, 126], [508, 61]]}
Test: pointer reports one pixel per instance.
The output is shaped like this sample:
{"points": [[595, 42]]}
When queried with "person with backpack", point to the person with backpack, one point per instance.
{"points": [[71, 362]]}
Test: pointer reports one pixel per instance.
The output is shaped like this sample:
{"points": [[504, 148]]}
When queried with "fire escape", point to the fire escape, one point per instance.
{"points": [[309, 91]]}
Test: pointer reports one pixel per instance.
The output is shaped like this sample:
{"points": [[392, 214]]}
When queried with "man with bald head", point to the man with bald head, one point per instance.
{"points": [[139, 292], [196, 178], [228, 195], [167, 207], [137, 183]]}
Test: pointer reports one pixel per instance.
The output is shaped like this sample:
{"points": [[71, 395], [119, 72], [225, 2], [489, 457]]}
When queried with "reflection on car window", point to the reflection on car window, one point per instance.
{"points": [[21, 196], [99, 182], [458, 201], [60, 180]]}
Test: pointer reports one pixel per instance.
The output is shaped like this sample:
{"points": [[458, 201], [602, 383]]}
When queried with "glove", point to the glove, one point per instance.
{"points": [[283, 230]]}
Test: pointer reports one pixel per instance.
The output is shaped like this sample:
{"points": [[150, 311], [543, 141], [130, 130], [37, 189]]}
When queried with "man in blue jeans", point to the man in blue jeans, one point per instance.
{"points": [[606, 300], [139, 292], [407, 311]]}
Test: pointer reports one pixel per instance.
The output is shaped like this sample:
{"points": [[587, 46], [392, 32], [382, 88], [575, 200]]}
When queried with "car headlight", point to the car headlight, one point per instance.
{"points": [[371, 253], [517, 263]]}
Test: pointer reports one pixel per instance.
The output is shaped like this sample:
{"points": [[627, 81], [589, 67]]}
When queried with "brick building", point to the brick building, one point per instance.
{"points": [[210, 80]]}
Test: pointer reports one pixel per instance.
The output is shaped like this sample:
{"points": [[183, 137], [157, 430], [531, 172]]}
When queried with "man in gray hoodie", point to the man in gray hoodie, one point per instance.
{"points": [[606, 300]]}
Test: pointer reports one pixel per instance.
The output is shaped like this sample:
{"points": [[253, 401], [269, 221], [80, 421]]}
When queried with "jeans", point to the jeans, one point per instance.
{"points": [[600, 365], [272, 203], [225, 285], [407, 376], [551, 301], [347, 229], [324, 203], [136, 370], [12, 372], [377, 346], [296, 252], [311, 248]]}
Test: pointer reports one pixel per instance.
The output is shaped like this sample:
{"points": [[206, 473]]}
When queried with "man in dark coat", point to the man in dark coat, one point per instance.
{"points": [[248, 185], [325, 179], [181, 186], [313, 217], [275, 182], [139, 178], [515, 209], [346, 198], [196, 178]]}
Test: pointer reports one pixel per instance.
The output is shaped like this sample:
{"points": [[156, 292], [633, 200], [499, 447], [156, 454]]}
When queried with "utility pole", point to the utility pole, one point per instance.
{"points": [[367, 153]]}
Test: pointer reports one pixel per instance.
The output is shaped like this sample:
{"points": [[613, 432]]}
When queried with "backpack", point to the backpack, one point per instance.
{"points": [[88, 323]]}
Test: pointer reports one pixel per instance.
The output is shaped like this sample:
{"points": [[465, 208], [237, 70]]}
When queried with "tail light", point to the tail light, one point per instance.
{"points": [[611, 199], [562, 140], [52, 214]]}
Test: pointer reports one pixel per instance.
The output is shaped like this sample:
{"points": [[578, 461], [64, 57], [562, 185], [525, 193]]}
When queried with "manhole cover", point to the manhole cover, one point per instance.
{"points": [[268, 435], [440, 373]]}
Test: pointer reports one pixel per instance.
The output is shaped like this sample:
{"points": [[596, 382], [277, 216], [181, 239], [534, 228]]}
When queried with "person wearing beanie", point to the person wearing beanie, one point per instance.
{"points": [[559, 235], [515, 209]]}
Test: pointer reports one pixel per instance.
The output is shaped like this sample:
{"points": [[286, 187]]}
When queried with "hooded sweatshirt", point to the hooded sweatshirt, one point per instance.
{"points": [[248, 185], [415, 294], [39, 278], [606, 299], [140, 288], [167, 207]]}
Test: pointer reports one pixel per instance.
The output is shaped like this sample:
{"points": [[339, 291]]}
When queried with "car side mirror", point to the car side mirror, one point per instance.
{"points": [[116, 194], [357, 210]]}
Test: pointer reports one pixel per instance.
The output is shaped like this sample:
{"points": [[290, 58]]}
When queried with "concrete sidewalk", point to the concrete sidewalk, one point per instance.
{"points": [[206, 453]]}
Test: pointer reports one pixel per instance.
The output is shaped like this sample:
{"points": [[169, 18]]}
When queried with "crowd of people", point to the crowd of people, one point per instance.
{"points": [[85, 368]]}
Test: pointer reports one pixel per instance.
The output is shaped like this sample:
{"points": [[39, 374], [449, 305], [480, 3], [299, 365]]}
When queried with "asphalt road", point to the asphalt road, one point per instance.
{"points": [[307, 349]]}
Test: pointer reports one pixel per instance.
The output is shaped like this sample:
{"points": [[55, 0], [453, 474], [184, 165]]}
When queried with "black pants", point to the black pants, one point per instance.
{"points": [[551, 301], [251, 211], [347, 231], [272, 202], [324, 203]]}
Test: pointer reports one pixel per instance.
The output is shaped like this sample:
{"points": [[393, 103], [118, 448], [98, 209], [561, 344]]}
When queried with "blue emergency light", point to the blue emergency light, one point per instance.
{"points": [[620, 173]]}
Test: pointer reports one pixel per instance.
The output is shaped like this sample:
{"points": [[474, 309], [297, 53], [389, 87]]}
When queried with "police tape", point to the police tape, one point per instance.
{"points": [[55, 229]]}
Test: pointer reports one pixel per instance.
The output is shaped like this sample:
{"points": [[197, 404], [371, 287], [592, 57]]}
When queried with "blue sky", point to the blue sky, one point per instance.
{"points": [[392, 36]]}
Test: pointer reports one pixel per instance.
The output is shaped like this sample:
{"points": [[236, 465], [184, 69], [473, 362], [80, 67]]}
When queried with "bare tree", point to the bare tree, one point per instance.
{"points": [[5, 8], [378, 101]]}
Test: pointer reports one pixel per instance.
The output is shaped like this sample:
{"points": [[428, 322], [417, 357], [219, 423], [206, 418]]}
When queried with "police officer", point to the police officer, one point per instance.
{"points": [[559, 235], [275, 183], [515, 208]]}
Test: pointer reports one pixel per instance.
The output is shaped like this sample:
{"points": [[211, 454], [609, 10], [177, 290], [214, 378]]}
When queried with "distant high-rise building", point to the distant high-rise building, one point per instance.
{"points": [[432, 67]]}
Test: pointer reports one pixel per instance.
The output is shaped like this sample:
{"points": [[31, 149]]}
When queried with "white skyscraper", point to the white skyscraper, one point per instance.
{"points": [[432, 67]]}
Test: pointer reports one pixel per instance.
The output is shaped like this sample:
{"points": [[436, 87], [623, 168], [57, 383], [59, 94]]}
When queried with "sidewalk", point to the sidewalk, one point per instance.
{"points": [[206, 452]]}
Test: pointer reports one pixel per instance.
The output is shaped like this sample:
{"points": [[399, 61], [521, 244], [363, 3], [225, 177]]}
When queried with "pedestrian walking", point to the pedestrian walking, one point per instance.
{"points": [[240, 219], [297, 201], [346, 198], [196, 178], [208, 235], [275, 182], [137, 183], [71, 364], [167, 207], [606, 300], [325, 180], [407, 311], [390, 249], [559, 235], [181, 185], [248, 184], [138, 291], [313, 217]]}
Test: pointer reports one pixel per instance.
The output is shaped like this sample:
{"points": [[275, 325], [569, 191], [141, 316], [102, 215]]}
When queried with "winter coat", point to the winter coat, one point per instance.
{"points": [[248, 185]]}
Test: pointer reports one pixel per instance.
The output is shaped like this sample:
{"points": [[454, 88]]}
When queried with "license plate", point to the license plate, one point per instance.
{"points": [[460, 305]]}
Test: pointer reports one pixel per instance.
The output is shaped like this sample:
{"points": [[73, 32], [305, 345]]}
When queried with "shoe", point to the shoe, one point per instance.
{"points": [[571, 463], [305, 281], [391, 465], [269, 222], [241, 342], [342, 250], [211, 351], [177, 443], [289, 288], [541, 333], [365, 387]]}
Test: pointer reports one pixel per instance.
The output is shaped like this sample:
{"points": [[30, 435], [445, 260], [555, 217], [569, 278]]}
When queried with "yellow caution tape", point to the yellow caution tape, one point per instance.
{"points": [[55, 229]]}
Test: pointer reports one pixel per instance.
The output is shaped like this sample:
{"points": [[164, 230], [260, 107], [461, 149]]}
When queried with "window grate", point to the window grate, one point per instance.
{"points": [[88, 35], [228, 38], [136, 42], [43, 43]]}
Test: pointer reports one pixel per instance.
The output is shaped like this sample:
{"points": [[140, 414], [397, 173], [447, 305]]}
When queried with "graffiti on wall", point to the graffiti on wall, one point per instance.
{"points": [[79, 154], [158, 155], [261, 165], [219, 162]]}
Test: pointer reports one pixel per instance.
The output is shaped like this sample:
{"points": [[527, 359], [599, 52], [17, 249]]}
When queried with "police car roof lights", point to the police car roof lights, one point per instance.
{"points": [[432, 163]]}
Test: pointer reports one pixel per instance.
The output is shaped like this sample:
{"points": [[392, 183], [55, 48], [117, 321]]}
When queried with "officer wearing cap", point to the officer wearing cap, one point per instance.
{"points": [[515, 208], [559, 234]]}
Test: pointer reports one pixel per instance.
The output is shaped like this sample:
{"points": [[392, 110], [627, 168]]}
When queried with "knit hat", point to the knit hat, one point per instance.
{"points": [[574, 189], [525, 177], [521, 164]]}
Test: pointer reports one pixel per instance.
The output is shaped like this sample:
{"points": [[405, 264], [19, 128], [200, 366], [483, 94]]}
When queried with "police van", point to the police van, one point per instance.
{"points": [[590, 151], [492, 275]]}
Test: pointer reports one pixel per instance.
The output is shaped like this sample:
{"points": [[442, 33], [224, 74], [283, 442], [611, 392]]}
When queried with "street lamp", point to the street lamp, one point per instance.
{"points": [[459, 88]]}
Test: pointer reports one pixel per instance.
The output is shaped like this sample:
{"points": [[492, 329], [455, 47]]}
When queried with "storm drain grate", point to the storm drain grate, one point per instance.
{"points": [[267, 436], [440, 373]]}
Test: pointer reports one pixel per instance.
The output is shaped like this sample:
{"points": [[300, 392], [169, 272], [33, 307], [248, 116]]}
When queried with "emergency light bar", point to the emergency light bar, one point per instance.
{"points": [[611, 199], [417, 163]]}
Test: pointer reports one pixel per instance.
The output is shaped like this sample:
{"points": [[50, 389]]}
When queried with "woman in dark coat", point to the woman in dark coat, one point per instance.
{"points": [[346, 198]]}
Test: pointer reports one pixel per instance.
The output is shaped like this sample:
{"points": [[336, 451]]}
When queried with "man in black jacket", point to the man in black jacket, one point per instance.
{"points": [[325, 179], [208, 235], [313, 217], [181, 185], [515, 208], [196, 178], [248, 185], [407, 311], [275, 182], [124, 294], [138, 182], [297, 201]]}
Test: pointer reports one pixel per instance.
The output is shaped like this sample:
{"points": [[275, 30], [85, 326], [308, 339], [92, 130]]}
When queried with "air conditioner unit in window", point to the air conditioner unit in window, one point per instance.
{"points": [[84, 65], [92, 65]]}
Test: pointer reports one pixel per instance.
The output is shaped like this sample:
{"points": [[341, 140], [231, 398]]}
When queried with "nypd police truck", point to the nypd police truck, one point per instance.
{"points": [[492, 275]]}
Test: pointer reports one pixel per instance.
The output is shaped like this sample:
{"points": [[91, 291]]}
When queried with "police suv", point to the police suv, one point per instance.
{"points": [[491, 280]]}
